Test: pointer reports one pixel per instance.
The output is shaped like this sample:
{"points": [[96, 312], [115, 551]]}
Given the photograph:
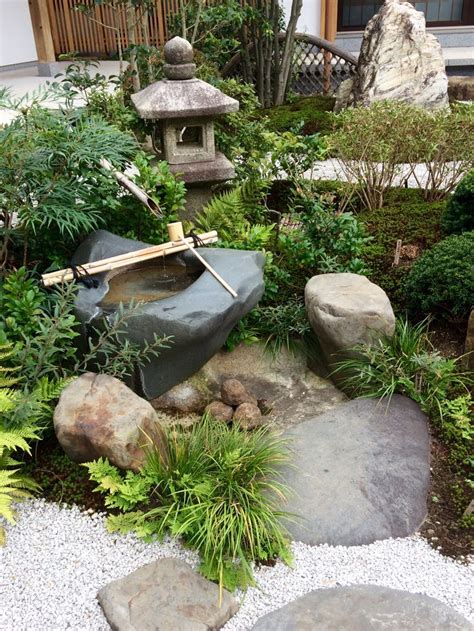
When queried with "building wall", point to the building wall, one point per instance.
{"points": [[17, 44], [310, 17]]}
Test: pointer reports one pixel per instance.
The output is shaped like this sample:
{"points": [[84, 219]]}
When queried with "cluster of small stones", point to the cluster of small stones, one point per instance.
{"points": [[237, 405]]}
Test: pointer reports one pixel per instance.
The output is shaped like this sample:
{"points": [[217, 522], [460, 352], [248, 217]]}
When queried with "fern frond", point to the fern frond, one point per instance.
{"points": [[228, 211]]}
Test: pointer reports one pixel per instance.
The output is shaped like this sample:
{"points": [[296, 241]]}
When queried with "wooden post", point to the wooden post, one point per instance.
{"points": [[331, 20], [322, 23], [43, 37]]}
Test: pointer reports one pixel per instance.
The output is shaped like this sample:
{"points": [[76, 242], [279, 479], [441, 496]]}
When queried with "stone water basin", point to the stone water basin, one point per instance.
{"points": [[179, 298]]}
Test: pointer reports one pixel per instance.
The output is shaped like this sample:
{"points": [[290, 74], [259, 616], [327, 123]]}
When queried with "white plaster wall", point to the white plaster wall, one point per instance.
{"points": [[17, 44], [310, 17]]}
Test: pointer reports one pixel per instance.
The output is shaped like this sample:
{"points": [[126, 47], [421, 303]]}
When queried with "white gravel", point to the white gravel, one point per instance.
{"points": [[57, 558]]}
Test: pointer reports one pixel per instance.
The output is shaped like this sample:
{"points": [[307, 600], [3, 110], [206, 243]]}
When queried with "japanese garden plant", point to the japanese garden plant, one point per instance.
{"points": [[216, 487]]}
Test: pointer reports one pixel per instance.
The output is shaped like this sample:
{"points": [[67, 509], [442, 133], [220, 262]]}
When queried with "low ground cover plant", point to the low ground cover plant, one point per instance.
{"points": [[216, 487]]}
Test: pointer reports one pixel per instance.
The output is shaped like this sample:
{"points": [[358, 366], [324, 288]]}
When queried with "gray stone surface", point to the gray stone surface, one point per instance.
{"points": [[360, 473], [199, 318], [398, 61], [282, 382], [345, 310], [166, 595], [98, 416], [363, 607], [461, 88]]}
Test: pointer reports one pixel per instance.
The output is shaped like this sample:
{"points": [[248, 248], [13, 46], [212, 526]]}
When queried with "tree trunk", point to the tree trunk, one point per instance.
{"points": [[132, 42], [287, 55]]}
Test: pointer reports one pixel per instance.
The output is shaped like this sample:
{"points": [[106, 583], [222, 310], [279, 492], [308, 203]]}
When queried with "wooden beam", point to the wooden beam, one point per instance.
{"points": [[42, 31]]}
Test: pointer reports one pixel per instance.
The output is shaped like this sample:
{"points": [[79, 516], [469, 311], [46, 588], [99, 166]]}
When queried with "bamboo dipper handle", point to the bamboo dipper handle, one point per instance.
{"points": [[175, 232]]}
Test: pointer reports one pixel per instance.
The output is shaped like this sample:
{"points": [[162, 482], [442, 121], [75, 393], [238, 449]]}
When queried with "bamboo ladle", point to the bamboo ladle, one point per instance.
{"points": [[176, 235]]}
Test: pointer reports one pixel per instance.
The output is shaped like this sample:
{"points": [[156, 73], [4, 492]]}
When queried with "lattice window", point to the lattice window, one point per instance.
{"points": [[356, 13]]}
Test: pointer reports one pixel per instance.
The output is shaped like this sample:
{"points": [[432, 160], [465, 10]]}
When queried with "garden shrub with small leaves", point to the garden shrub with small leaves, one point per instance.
{"points": [[442, 281], [459, 214]]}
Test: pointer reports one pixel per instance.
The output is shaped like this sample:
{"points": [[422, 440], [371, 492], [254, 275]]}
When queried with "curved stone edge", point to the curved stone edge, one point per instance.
{"points": [[362, 607]]}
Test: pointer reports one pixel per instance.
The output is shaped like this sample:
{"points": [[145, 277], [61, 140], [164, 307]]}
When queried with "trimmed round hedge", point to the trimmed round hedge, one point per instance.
{"points": [[442, 280], [459, 214]]}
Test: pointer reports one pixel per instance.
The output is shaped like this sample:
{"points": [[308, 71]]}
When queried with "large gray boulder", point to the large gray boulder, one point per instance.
{"points": [[199, 318], [166, 595], [363, 607], [345, 310], [99, 416], [398, 61], [360, 473]]}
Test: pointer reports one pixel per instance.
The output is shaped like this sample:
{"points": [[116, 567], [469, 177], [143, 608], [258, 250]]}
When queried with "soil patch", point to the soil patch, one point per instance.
{"points": [[448, 497]]}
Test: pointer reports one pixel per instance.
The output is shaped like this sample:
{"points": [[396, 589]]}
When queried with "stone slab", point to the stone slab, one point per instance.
{"points": [[166, 595], [363, 608], [360, 472]]}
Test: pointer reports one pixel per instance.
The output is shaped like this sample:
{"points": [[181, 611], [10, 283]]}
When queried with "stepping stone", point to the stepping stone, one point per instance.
{"points": [[360, 472], [363, 607], [167, 595]]}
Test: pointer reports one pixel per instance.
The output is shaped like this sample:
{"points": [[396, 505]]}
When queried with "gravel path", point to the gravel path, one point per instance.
{"points": [[57, 558]]}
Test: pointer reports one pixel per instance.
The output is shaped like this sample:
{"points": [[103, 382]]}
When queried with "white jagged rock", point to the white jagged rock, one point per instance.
{"points": [[398, 61]]}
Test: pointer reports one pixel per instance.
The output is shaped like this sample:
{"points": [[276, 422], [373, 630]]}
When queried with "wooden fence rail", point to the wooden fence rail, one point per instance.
{"points": [[73, 31]]}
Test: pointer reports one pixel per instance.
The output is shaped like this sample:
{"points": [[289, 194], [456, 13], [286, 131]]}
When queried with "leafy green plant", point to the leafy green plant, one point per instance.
{"points": [[372, 146], [14, 486], [457, 427], [50, 178], [459, 214], [126, 216], [216, 487], [405, 363], [441, 281]]}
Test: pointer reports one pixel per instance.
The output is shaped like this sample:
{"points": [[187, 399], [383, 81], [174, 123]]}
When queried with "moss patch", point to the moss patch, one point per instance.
{"points": [[311, 113]]}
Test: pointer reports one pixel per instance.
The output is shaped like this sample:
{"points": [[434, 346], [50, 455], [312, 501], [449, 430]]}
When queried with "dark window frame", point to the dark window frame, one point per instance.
{"points": [[466, 20]]}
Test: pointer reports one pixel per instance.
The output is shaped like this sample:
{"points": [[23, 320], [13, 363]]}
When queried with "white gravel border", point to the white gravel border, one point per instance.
{"points": [[57, 558]]}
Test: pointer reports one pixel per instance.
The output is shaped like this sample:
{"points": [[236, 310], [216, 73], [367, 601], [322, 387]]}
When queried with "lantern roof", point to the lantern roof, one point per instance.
{"points": [[180, 94]]}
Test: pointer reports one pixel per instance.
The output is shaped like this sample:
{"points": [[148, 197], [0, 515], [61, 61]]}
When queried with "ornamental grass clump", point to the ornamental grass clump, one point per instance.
{"points": [[406, 364], [216, 487]]}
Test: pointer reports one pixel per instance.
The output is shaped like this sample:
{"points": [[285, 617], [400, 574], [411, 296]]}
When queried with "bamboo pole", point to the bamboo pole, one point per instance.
{"points": [[133, 188], [176, 234], [121, 260]]}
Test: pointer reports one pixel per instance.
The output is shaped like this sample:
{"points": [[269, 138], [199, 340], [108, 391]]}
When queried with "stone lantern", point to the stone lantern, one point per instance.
{"points": [[184, 109]]}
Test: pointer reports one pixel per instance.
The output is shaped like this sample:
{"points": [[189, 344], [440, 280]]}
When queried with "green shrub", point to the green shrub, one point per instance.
{"points": [[373, 144], [404, 216], [214, 486], [407, 364], [459, 214], [442, 280]]}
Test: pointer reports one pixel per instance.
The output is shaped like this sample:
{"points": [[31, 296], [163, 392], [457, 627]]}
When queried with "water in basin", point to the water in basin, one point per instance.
{"points": [[147, 284]]}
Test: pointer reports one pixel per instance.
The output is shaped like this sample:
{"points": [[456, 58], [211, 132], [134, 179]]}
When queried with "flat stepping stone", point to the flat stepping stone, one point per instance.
{"points": [[360, 472], [363, 607], [165, 595]]}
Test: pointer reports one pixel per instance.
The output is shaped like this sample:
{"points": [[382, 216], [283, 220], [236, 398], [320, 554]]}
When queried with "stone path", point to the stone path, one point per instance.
{"points": [[360, 473], [363, 607]]}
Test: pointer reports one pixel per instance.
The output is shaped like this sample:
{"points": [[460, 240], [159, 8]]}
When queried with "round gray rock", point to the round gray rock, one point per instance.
{"points": [[346, 310], [361, 472], [363, 607]]}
